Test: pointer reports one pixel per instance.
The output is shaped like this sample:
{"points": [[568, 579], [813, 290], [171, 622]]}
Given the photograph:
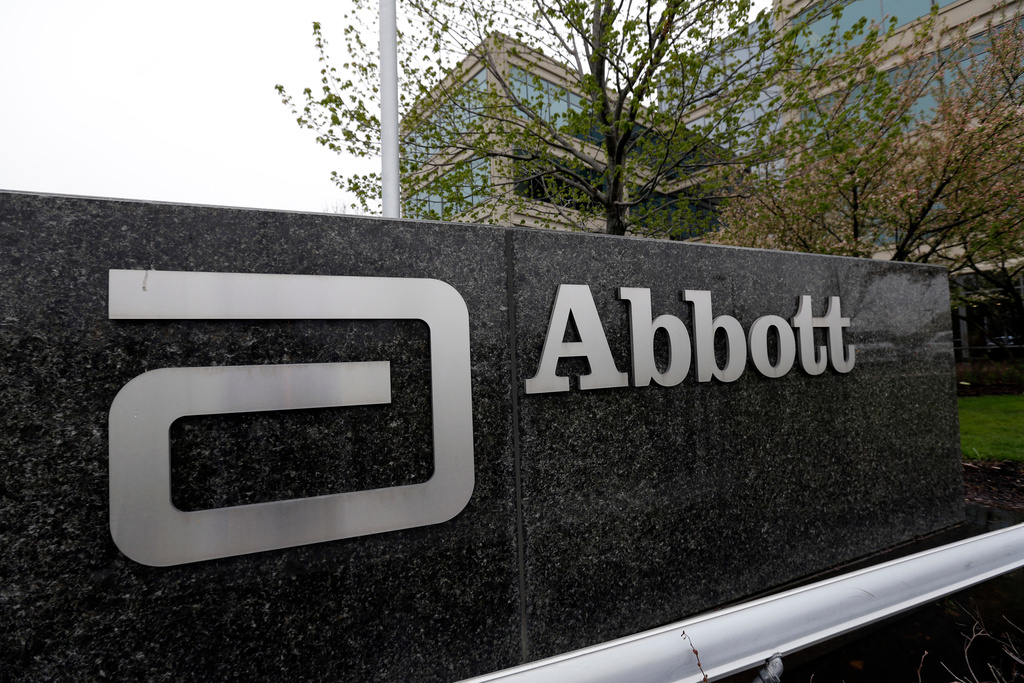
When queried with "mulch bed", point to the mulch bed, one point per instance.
{"points": [[996, 484], [988, 389]]}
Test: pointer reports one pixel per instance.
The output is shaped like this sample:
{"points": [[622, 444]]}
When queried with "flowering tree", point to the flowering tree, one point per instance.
{"points": [[570, 112], [923, 162]]}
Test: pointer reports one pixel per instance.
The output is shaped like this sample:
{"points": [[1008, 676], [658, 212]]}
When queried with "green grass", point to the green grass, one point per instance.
{"points": [[992, 427]]}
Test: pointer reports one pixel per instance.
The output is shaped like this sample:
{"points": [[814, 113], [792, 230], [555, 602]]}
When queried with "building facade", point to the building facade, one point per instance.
{"points": [[458, 169]]}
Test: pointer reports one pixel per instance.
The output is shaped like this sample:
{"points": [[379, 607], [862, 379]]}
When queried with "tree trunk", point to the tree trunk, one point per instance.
{"points": [[615, 221]]}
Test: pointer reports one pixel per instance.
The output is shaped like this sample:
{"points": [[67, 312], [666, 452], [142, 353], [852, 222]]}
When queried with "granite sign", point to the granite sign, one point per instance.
{"points": [[353, 449], [147, 527]]}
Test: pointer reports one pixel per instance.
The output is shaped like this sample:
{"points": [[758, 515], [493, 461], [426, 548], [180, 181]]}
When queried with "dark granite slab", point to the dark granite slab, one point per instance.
{"points": [[599, 514], [645, 504], [433, 603]]}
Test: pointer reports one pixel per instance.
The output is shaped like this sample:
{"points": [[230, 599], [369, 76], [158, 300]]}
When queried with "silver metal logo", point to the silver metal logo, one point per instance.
{"points": [[145, 524]]}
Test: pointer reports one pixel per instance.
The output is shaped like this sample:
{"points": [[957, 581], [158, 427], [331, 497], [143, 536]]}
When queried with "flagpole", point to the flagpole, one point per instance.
{"points": [[390, 193]]}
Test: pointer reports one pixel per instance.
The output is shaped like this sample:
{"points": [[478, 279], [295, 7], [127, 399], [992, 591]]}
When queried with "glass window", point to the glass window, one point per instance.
{"points": [[474, 178], [905, 11], [453, 115], [547, 99]]}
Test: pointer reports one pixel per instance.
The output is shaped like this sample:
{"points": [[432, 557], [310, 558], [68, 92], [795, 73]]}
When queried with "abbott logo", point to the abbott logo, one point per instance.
{"points": [[144, 523]]}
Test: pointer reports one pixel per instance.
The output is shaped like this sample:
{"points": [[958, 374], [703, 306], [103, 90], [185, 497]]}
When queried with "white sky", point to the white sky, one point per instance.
{"points": [[168, 101]]}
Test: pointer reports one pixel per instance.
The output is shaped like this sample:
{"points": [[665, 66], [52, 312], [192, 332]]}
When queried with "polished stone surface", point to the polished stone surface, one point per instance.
{"points": [[643, 505], [434, 603], [599, 514]]}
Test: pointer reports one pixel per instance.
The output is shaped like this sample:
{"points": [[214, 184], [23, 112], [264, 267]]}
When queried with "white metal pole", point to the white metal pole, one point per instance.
{"points": [[745, 636], [390, 193]]}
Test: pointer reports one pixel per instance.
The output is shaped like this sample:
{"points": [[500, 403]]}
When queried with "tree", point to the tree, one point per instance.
{"points": [[581, 107], [921, 162]]}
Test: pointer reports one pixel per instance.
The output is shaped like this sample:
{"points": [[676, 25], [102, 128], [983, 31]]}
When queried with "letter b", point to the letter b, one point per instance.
{"points": [[641, 334], [705, 326]]}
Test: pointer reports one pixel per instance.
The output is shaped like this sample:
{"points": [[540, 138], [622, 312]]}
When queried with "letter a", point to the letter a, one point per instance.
{"points": [[575, 300]]}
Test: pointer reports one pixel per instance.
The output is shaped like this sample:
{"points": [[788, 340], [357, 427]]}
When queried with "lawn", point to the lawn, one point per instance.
{"points": [[992, 427]]}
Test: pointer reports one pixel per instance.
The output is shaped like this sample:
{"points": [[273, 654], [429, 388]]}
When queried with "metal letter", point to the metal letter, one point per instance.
{"points": [[144, 523], [641, 334], [833, 320], [812, 359], [577, 301], [757, 338], [704, 329]]}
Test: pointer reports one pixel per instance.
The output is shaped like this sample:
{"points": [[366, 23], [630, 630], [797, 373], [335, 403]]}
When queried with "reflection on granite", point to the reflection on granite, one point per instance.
{"points": [[638, 506]]}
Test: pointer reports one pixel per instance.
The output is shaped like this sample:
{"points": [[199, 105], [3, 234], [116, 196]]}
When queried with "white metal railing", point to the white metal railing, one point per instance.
{"points": [[745, 636]]}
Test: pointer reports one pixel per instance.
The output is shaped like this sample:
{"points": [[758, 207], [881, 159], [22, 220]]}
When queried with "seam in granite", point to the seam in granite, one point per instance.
{"points": [[517, 464]]}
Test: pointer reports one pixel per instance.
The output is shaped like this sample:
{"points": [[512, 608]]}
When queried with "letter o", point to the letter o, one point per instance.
{"points": [[757, 341]]}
